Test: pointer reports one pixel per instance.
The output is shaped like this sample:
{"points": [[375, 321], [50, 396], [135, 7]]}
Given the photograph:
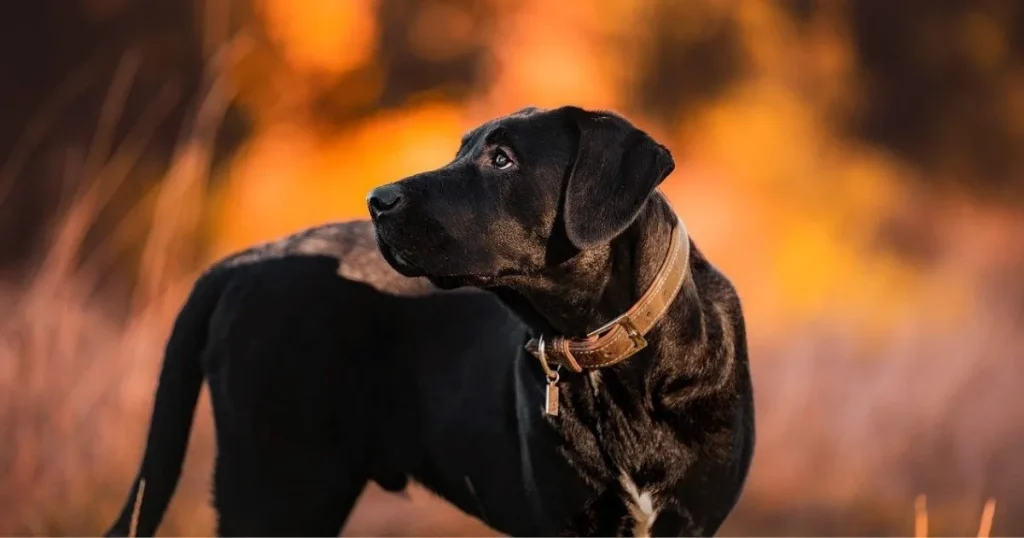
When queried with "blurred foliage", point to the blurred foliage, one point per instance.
{"points": [[814, 121]]}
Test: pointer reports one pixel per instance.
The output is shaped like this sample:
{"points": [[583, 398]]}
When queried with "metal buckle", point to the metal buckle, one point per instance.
{"points": [[639, 342]]}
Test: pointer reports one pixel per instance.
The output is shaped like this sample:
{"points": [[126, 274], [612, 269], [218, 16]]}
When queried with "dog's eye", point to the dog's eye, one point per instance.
{"points": [[500, 160]]}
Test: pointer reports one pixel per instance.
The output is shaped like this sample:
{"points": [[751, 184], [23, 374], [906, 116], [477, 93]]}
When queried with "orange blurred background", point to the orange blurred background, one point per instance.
{"points": [[856, 168]]}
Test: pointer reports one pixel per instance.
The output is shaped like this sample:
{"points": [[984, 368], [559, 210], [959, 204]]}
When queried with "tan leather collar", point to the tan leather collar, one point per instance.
{"points": [[623, 336]]}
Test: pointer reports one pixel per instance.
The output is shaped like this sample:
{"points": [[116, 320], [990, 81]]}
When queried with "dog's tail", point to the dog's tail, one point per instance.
{"points": [[181, 379]]}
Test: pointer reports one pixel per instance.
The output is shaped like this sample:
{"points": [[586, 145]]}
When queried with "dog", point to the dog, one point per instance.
{"points": [[529, 332]]}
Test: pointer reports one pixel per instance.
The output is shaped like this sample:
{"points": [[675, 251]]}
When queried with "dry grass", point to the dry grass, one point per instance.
{"points": [[850, 433], [64, 413], [136, 509], [988, 513]]}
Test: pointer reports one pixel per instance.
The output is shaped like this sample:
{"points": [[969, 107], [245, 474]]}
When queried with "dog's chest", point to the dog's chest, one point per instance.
{"points": [[632, 456]]}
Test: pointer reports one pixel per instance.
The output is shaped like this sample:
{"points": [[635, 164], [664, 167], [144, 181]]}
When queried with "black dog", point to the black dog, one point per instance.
{"points": [[601, 387]]}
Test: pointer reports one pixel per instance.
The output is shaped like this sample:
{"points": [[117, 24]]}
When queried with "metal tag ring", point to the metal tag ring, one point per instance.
{"points": [[552, 375]]}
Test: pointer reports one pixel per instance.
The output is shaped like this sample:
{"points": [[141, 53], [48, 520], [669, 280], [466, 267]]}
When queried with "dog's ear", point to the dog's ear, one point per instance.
{"points": [[617, 168]]}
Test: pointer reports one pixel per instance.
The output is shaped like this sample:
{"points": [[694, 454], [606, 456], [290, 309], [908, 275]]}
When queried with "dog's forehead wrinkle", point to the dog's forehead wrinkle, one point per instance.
{"points": [[473, 139], [496, 135]]}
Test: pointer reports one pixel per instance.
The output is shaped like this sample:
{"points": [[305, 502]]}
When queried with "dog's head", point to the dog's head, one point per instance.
{"points": [[525, 193]]}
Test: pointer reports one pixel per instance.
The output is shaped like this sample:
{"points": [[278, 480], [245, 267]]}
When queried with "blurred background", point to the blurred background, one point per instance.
{"points": [[856, 167]]}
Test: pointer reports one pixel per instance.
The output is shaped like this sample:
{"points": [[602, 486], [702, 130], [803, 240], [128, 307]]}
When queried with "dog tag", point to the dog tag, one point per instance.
{"points": [[551, 398], [551, 394]]}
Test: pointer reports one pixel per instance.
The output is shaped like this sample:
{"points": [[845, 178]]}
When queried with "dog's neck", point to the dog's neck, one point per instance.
{"points": [[599, 284]]}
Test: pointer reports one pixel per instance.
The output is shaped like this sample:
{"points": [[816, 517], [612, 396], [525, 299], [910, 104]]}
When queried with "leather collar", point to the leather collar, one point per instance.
{"points": [[622, 337]]}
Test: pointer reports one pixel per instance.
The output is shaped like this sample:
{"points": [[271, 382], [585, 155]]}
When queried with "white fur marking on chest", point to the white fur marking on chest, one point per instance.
{"points": [[640, 505], [595, 381]]}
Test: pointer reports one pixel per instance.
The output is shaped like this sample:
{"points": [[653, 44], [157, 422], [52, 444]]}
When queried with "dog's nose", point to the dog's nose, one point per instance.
{"points": [[384, 199]]}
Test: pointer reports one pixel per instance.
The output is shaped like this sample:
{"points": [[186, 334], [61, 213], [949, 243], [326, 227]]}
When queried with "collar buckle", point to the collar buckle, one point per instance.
{"points": [[634, 334], [639, 342]]}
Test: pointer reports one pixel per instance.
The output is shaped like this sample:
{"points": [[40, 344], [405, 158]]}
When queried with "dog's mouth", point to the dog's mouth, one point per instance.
{"points": [[396, 260], [406, 268]]}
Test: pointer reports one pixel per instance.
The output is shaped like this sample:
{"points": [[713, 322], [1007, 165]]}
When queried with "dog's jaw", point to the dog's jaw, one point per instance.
{"points": [[396, 261]]}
